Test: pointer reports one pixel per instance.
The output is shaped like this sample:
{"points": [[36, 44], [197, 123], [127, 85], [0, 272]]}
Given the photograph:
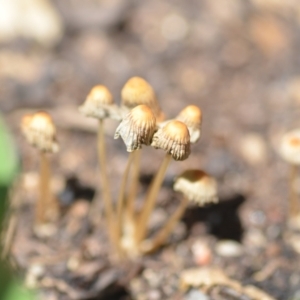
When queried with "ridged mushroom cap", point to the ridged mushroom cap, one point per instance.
{"points": [[290, 147], [137, 91], [99, 104], [191, 116], [40, 131], [137, 128], [197, 186], [174, 138]]}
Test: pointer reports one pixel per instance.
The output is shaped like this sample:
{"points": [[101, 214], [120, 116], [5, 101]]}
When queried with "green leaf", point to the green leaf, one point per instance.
{"points": [[8, 157], [9, 289], [16, 292]]}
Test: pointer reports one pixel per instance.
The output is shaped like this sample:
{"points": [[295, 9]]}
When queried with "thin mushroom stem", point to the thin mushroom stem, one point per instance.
{"points": [[294, 208], [108, 207], [147, 209], [160, 238], [134, 185], [120, 203], [44, 190]]}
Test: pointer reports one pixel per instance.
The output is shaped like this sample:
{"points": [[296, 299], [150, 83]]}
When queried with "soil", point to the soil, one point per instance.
{"points": [[239, 62]]}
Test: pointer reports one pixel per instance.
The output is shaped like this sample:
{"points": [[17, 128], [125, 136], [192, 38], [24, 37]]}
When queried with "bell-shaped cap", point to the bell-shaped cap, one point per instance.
{"points": [[197, 186], [191, 116], [40, 131], [99, 104], [137, 128], [174, 138], [137, 91], [290, 147]]}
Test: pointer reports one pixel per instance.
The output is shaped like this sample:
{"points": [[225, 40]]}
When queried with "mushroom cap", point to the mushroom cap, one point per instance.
{"points": [[290, 147], [40, 131], [174, 138], [197, 186], [137, 91], [99, 104], [191, 116], [100, 94], [137, 128]]}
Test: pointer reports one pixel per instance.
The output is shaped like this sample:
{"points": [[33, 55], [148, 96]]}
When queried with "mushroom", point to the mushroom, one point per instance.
{"points": [[138, 91], [174, 138], [191, 116], [136, 129], [40, 132], [290, 152], [99, 104], [196, 186]]}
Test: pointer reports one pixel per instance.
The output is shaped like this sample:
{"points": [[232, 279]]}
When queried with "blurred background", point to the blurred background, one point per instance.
{"points": [[236, 59]]}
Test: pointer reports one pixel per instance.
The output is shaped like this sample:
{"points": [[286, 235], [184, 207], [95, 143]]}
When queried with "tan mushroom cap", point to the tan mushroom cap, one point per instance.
{"points": [[137, 128], [40, 131], [99, 104], [290, 147], [174, 138], [191, 116], [197, 186], [137, 91], [100, 94]]}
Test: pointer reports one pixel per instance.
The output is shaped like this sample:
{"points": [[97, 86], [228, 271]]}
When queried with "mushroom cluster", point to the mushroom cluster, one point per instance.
{"points": [[142, 123]]}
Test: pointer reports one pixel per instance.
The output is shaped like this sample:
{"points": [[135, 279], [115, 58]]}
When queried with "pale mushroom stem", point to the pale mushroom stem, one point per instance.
{"points": [[160, 238], [45, 192], [120, 203], [294, 208], [108, 206], [134, 185], [142, 221]]}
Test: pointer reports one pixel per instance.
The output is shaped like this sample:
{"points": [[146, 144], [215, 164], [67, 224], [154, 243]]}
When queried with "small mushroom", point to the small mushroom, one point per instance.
{"points": [[138, 91], [290, 152], [174, 138], [40, 132], [136, 129], [196, 186], [99, 104], [191, 116]]}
